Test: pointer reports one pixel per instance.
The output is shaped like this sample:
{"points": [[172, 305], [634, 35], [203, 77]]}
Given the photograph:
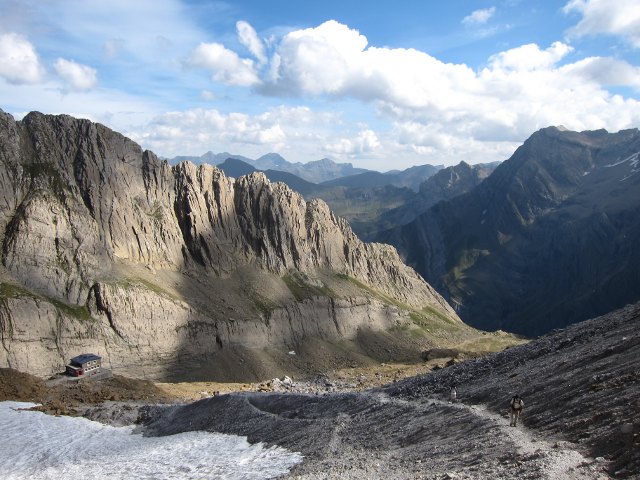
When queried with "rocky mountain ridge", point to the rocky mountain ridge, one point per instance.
{"points": [[107, 248], [373, 202], [445, 184], [548, 239]]}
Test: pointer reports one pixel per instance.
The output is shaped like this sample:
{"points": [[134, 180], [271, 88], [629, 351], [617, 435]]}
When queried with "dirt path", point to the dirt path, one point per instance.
{"points": [[556, 459]]}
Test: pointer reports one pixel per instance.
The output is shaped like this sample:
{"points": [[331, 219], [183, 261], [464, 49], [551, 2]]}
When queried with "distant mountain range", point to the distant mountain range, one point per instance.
{"points": [[209, 158], [325, 171], [233, 167], [411, 178], [372, 201], [317, 171], [549, 238]]}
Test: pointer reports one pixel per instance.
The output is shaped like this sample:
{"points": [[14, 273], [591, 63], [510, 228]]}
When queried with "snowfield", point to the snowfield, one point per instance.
{"points": [[39, 446]]}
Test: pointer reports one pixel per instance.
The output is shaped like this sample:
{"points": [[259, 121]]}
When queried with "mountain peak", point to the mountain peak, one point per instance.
{"points": [[274, 158], [174, 262], [558, 220]]}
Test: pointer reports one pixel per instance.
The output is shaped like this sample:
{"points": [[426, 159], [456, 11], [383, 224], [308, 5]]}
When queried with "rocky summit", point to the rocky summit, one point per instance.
{"points": [[181, 271]]}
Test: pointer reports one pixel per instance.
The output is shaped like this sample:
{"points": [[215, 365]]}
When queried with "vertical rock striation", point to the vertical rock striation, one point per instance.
{"points": [[106, 247]]}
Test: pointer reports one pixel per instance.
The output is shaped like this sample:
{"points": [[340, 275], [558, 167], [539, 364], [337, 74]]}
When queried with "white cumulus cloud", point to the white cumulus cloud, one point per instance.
{"points": [[366, 141], [605, 71], [19, 62], [479, 17], [529, 57], [75, 75], [226, 66], [297, 133], [319, 60], [620, 18], [519, 91], [249, 38]]}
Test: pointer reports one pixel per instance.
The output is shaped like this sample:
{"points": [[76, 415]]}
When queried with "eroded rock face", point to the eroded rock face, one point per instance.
{"points": [[84, 210]]}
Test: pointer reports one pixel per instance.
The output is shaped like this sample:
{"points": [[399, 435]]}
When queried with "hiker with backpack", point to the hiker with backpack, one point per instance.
{"points": [[516, 408], [453, 394]]}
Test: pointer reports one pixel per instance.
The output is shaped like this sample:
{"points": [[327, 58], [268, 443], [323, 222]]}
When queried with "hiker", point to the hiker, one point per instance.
{"points": [[516, 409], [453, 394]]}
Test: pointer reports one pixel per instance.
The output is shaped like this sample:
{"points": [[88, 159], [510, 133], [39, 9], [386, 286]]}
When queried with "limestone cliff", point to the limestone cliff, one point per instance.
{"points": [[107, 248]]}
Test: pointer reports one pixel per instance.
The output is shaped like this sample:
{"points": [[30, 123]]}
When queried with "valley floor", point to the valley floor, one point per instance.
{"points": [[581, 387]]}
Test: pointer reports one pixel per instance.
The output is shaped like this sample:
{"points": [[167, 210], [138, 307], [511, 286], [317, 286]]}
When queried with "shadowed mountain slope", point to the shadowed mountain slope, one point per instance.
{"points": [[550, 238], [443, 185]]}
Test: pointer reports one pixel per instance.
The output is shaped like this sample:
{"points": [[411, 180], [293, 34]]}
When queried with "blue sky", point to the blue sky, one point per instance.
{"points": [[383, 85]]}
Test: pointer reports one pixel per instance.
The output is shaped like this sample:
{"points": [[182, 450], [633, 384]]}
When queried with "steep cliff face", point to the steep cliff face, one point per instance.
{"points": [[107, 248]]}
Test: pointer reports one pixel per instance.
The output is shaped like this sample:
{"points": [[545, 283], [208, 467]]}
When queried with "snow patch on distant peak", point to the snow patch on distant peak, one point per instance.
{"points": [[632, 159], [634, 162]]}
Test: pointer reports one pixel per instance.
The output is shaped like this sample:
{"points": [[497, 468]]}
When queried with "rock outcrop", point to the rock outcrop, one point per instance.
{"points": [[107, 248]]}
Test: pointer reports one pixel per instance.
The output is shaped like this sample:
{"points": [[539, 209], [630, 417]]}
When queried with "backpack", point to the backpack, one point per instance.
{"points": [[516, 403]]}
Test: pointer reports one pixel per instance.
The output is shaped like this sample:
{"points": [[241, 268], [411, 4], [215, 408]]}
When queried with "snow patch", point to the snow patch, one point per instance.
{"points": [[633, 160], [40, 446]]}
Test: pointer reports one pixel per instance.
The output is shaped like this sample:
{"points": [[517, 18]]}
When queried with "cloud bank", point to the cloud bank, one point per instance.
{"points": [[620, 18], [317, 91]]}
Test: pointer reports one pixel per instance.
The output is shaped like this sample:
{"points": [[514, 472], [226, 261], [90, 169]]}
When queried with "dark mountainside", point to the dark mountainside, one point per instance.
{"points": [[581, 419], [233, 167], [367, 179], [184, 273], [447, 183], [410, 178], [549, 239]]}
